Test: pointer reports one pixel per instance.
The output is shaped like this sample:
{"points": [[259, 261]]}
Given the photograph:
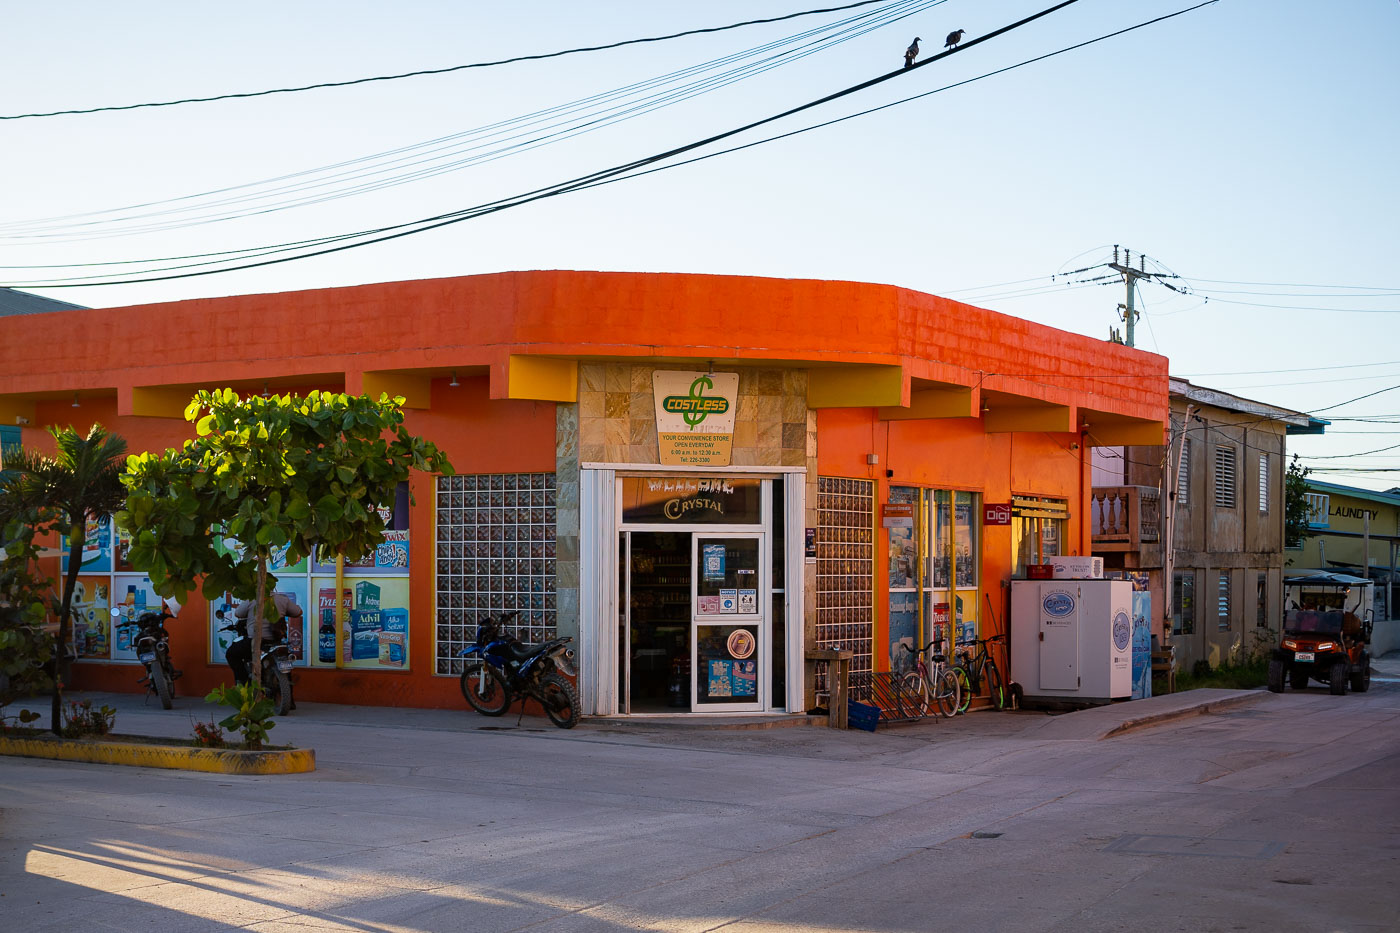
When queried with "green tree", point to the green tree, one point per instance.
{"points": [[280, 471], [1295, 504], [58, 494], [27, 599]]}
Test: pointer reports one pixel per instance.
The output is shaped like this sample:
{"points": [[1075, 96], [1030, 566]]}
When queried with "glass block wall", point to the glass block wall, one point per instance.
{"points": [[495, 554]]}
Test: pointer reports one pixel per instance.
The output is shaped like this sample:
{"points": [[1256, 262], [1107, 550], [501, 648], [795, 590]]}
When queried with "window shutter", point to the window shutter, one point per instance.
{"points": [[1183, 474], [1225, 477], [1264, 483]]}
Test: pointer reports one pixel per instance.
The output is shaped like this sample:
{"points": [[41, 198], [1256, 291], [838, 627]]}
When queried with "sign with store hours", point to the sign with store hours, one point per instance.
{"points": [[695, 416]]}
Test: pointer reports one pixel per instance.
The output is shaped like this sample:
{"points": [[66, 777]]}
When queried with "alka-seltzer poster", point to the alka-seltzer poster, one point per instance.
{"points": [[695, 416]]}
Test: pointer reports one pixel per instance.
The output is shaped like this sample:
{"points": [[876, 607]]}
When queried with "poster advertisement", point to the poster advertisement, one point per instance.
{"points": [[92, 617], [712, 560], [277, 564], [96, 555], [729, 679], [392, 554], [134, 595], [903, 630], [374, 635], [1142, 645], [221, 616]]}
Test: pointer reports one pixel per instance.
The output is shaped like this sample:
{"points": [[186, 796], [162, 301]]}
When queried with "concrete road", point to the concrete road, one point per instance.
{"points": [[1281, 815]]}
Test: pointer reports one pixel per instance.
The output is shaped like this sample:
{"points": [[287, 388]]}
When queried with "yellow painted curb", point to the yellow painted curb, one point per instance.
{"points": [[141, 755]]}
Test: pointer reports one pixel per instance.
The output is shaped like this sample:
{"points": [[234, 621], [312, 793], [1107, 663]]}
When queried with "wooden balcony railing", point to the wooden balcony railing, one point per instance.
{"points": [[1125, 518]]}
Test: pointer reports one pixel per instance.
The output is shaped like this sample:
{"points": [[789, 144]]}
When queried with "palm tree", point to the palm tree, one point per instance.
{"points": [[81, 479]]}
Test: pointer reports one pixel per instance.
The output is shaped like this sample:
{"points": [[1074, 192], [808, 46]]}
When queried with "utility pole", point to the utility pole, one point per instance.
{"points": [[1130, 277]]}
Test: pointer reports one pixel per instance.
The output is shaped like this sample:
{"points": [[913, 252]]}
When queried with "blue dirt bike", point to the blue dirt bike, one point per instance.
{"points": [[501, 669]]}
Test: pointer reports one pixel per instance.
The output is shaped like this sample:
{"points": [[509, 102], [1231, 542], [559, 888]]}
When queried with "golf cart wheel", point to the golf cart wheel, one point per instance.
{"points": [[1361, 678], [1298, 678], [1337, 678], [1275, 676]]}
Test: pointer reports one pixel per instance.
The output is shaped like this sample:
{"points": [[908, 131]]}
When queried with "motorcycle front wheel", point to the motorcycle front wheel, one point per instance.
{"points": [[484, 688], [159, 684], [560, 700], [277, 688]]}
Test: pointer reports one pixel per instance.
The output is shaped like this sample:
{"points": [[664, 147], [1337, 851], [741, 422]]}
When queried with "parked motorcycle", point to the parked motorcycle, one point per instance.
{"points": [[152, 644], [501, 669], [277, 664]]}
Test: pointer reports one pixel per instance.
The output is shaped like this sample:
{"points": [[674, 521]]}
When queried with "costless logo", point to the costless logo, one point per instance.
{"points": [[1122, 630], [1058, 604], [696, 406]]}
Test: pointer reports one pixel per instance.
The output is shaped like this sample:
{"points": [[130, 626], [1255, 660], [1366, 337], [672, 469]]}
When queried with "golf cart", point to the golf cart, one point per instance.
{"points": [[1326, 628]]}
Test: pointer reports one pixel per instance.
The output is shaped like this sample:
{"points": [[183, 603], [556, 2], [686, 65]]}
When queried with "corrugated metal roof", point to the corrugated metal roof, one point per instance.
{"points": [[14, 301]]}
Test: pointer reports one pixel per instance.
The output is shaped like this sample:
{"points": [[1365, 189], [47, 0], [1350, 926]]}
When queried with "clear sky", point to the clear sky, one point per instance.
{"points": [[1250, 141]]}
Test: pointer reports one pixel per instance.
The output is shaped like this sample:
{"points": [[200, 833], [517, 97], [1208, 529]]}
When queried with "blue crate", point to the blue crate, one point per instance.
{"points": [[862, 716]]}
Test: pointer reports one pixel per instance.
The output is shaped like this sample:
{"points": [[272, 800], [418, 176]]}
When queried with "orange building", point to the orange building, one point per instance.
{"points": [[699, 478]]}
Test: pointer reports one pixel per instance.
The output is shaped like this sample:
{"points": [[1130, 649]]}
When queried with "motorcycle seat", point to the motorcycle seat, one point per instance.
{"points": [[519, 650]]}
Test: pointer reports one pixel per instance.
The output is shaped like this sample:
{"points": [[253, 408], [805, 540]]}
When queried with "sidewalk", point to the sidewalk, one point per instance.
{"points": [[314, 724]]}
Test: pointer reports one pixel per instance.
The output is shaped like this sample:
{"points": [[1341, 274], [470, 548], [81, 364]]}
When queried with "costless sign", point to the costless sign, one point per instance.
{"points": [[695, 416]]}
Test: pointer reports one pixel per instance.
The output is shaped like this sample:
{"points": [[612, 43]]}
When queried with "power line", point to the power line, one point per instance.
{"points": [[444, 154], [602, 176], [638, 167], [438, 71], [1369, 288]]}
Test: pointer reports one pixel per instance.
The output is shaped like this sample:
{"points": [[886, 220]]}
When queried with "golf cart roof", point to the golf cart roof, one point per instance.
{"points": [[1325, 578]]}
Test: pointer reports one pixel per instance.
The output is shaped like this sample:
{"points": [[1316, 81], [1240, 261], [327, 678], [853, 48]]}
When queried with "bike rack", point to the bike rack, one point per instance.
{"points": [[885, 690]]}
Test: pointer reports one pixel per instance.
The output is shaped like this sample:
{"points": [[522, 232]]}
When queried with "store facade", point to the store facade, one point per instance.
{"points": [[699, 478]]}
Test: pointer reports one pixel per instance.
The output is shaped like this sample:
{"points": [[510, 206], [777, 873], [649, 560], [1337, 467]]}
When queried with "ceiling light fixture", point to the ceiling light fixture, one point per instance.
{"points": [[75, 401], [454, 383]]}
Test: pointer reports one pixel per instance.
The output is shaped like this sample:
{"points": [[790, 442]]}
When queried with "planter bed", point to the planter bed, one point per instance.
{"points": [[150, 752]]}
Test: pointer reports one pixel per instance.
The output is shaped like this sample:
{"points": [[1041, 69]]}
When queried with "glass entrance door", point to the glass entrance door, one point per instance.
{"points": [[729, 632]]}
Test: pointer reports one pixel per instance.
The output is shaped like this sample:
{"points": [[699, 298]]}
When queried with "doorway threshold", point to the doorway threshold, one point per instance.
{"points": [[708, 721]]}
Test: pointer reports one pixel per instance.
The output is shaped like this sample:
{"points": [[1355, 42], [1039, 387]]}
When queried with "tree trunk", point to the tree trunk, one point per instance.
{"points": [[255, 633], [76, 537]]}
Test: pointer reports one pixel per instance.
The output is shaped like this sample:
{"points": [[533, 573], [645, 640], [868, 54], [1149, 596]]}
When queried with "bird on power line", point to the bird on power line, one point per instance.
{"points": [[953, 39], [911, 53]]}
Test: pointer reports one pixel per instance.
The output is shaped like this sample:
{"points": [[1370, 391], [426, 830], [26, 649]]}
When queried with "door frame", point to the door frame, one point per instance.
{"points": [[599, 524]]}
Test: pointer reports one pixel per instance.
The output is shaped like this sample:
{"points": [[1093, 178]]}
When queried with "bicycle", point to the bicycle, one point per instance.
{"points": [[975, 664], [931, 680]]}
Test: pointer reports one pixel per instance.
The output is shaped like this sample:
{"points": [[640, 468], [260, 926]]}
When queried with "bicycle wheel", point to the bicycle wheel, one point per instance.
{"points": [[965, 690], [996, 687], [946, 691], [914, 695]]}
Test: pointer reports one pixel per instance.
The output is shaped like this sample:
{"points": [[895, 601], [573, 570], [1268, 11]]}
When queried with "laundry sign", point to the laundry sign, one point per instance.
{"points": [[695, 416]]}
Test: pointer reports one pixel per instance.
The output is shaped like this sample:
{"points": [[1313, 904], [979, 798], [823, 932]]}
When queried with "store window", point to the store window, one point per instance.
{"points": [[495, 554], [374, 626], [1037, 530], [1184, 603], [106, 581], [934, 568]]}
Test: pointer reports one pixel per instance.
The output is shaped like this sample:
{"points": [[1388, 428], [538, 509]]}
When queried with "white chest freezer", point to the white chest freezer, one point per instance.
{"points": [[1072, 639]]}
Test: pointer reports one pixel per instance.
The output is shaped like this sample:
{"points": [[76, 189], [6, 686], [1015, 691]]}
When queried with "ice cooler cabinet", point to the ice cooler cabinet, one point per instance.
{"points": [[1072, 639]]}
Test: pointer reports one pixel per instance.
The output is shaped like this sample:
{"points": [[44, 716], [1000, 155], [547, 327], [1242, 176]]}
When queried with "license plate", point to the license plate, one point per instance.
{"points": [[285, 666], [1303, 656], [146, 657]]}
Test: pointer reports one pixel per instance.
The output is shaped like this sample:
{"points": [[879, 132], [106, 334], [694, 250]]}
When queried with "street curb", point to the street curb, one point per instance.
{"points": [[1211, 706], [144, 755]]}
